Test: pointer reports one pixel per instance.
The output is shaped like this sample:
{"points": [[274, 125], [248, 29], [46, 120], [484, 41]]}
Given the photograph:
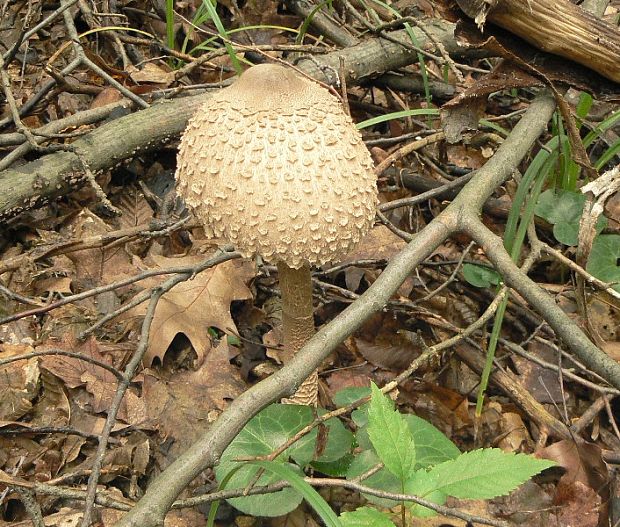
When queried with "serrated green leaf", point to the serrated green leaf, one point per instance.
{"points": [[425, 485], [390, 435], [365, 517], [431, 446], [604, 259], [480, 276], [486, 473]]}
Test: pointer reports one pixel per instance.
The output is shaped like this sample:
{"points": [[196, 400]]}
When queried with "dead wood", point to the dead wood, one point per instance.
{"points": [[36, 183], [554, 26]]}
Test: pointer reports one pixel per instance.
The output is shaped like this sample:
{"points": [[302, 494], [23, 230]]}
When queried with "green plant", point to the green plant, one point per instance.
{"points": [[170, 23], [223, 35], [521, 214], [206, 11], [397, 115], [561, 207], [303, 29], [417, 460]]}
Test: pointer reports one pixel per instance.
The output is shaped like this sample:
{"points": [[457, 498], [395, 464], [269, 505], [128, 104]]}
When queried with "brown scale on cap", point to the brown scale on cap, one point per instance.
{"points": [[275, 166]]}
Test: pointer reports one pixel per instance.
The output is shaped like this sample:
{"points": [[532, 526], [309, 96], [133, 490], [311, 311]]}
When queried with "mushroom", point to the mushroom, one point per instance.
{"points": [[275, 166]]}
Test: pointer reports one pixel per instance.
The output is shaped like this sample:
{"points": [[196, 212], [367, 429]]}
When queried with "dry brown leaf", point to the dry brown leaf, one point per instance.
{"points": [[446, 409], [184, 405], [579, 505], [72, 370], [515, 438], [106, 96], [100, 383], [134, 207], [528, 506], [542, 383], [192, 307], [583, 464], [358, 376], [19, 382], [53, 285], [300, 517], [64, 518], [174, 518], [97, 266], [17, 452], [52, 408], [382, 343], [379, 244], [151, 73]]}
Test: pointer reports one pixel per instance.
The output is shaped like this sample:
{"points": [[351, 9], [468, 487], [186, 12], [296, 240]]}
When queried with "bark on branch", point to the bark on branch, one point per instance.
{"points": [[556, 26], [460, 215], [36, 183]]}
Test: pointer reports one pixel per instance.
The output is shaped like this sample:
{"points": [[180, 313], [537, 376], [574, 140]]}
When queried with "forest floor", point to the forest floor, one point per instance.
{"points": [[91, 346]]}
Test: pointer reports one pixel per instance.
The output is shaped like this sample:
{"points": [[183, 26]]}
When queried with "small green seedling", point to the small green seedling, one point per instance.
{"points": [[417, 460]]}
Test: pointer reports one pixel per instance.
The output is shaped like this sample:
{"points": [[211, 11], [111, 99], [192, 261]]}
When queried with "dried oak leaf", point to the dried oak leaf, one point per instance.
{"points": [[193, 306]]}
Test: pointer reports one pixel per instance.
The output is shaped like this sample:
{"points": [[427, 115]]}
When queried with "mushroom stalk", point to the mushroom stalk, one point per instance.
{"points": [[298, 323]]}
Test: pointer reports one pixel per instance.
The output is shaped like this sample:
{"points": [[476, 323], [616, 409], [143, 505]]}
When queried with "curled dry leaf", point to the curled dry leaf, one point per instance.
{"points": [[583, 464], [382, 343], [99, 383]]}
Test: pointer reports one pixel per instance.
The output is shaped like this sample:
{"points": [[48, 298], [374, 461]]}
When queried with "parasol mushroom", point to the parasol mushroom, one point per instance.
{"points": [[275, 166]]}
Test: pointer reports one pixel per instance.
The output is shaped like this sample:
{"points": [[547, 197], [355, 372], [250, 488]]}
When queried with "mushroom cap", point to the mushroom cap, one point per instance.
{"points": [[275, 166]]}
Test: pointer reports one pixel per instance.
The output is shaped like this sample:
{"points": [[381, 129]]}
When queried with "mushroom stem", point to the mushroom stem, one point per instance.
{"points": [[298, 323]]}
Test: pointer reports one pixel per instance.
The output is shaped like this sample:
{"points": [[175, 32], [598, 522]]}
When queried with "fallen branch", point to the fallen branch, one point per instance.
{"points": [[555, 26], [460, 215], [37, 183]]}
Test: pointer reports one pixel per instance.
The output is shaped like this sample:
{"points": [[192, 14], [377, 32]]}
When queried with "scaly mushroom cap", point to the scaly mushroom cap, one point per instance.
{"points": [[275, 166]]}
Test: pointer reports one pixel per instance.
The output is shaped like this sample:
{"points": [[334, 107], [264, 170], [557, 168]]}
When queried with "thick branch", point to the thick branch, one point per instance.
{"points": [[556, 26], [207, 450], [34, 184], [564, 327]]}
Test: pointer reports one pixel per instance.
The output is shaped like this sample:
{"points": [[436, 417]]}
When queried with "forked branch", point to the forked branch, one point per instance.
{"points": [[460, 216]]}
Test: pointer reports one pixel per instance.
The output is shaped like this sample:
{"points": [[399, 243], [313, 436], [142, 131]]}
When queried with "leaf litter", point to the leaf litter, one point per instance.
{"points": [[201, 349]]}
